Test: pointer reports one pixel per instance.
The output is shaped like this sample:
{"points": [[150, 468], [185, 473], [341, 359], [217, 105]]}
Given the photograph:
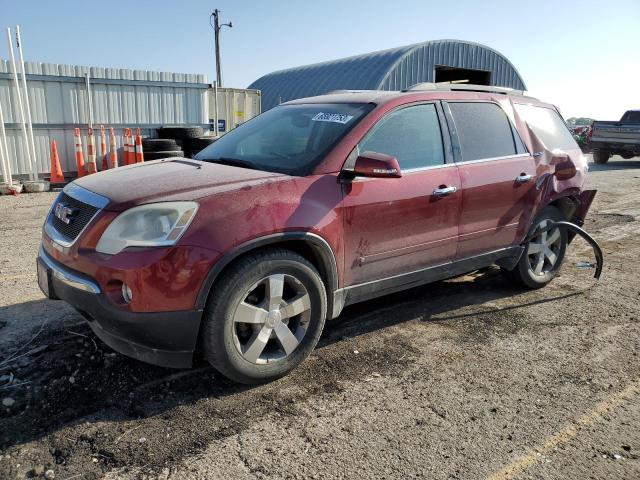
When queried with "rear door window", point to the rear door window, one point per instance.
{"points": [[548, 126], [410, 134], [484, 131]]}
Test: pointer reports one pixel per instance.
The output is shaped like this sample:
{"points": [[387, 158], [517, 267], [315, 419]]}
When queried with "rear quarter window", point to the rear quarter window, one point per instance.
{"points": [[548, 126], [484, 131]]}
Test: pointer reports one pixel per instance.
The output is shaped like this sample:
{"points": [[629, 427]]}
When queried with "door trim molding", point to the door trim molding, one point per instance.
{"points": [[493, 159], [505, 257]]}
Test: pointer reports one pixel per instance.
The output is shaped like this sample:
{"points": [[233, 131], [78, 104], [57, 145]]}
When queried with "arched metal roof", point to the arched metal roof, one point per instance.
{"points": [[393, 69]]}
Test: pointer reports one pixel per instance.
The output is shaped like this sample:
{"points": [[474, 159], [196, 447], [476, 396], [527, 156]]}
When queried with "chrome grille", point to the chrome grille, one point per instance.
{"points": [[82, 215]]}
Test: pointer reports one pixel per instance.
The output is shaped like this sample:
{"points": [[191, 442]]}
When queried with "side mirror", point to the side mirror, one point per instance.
{"points": [[565, 169], [377, 165]]}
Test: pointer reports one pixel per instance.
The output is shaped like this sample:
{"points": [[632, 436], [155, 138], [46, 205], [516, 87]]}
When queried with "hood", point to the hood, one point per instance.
{"points": [[169, 180]]}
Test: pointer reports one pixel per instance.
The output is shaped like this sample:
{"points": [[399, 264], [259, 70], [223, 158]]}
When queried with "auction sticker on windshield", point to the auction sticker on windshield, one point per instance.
{"points": [[332, 117]]}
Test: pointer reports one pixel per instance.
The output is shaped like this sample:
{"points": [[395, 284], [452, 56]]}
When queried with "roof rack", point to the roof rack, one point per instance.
{"points": [[450, 87], [342, 90]]}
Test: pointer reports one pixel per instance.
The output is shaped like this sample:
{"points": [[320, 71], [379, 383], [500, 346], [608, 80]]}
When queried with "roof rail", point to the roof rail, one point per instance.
{"points": [[450, 87], [342, 90]]}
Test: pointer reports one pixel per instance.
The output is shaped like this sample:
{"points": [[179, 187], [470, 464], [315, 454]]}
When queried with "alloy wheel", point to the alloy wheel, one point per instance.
{"points": [[543, 250], [272, 319]]}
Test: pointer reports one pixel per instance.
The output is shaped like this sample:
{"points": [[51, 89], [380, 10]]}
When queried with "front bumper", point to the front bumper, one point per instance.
{"points": [[162, 338]]}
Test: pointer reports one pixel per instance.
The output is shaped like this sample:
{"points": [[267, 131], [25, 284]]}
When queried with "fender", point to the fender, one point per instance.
{"points": [[320, 246], [577, 212]]}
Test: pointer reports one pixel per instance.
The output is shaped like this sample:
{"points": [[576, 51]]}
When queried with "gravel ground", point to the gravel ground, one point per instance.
{"points": [[462, 379]]}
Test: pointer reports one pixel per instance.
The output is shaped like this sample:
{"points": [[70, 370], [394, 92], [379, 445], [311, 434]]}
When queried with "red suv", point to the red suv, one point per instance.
{"points": [[243, 252]]}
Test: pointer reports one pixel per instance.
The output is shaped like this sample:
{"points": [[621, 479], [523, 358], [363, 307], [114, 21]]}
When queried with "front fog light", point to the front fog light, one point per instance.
{"points": [[127, 294]]}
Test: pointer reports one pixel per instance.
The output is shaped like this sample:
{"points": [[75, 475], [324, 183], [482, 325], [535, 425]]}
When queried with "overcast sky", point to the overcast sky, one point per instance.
{"points": [[584, 56]]}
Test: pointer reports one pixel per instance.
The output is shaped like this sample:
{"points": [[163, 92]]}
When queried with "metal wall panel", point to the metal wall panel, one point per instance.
{"points": [[119, 97], [393, 69]]}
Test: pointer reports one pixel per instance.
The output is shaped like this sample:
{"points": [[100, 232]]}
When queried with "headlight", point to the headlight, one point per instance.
{"points": [[153, 225]]}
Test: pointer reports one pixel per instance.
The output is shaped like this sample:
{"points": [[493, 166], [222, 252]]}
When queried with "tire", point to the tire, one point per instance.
{"points": [[241, 351], [180, 132], [601, 156], [528, 272], [160, 155], [196, 145], [160, 145]]}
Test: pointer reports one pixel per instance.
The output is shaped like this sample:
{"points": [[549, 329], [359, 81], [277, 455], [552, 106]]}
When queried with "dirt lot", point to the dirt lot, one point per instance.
{"points": [[468, 378]]}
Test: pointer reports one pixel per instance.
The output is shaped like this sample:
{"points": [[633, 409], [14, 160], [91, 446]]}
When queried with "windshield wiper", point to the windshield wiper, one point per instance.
{"points": [[233, 162]]}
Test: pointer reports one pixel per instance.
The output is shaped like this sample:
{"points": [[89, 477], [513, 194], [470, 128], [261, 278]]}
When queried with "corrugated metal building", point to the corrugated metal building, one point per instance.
{"points": [[59, 102], [394, 69]]}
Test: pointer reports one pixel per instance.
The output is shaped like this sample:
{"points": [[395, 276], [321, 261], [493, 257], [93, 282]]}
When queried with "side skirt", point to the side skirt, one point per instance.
{"points": [[506, 257]]}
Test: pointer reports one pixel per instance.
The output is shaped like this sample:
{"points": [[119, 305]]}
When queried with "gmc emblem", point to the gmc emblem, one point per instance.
{"points": [[64, 213]]}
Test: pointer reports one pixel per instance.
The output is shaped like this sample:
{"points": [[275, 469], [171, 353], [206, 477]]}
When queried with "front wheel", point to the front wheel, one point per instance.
{"points": [[543, 254], [264, 317]]}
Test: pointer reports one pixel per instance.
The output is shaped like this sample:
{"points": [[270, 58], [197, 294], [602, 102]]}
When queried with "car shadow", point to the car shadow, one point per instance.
{"points": [[66, 376]]}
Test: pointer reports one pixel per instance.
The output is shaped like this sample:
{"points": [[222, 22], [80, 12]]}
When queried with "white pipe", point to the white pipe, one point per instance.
{"points": [[215, 106], [4, 166], [32, 143], [20, 109], [4, 152], [89, 101]]}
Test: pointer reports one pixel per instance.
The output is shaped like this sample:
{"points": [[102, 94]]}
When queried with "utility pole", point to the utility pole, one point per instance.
{"points": [[216, 29]]}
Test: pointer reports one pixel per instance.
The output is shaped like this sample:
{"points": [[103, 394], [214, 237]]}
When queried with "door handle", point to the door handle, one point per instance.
{"points": [[523, 178], [444, 191]]}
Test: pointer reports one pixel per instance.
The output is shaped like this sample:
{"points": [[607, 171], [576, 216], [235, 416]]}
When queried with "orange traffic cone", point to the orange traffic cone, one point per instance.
{"points": [[113, 152], [139, 155], [79, 154], [131, 160], [91, 153], [132, 151], [125, 146], [103, 148], [56, 169]]}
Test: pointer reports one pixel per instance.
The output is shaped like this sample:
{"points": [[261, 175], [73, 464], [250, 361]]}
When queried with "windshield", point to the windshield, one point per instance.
{"points": [[289, 139]]}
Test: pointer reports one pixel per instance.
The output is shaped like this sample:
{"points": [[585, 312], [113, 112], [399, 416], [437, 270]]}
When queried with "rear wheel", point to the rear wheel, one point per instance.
{"points": [[601, 156], [543, 254], [264, 317]]}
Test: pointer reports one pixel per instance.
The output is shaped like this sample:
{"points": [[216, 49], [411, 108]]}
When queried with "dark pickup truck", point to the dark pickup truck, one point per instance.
{"points": [[616, 138]]}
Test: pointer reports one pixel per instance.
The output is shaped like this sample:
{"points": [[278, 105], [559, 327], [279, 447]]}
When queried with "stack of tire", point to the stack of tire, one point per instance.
{"points": [[196, 144], [176, 141], [157, 148]]}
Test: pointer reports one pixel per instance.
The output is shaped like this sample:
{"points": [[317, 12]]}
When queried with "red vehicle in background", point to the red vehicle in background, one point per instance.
{"points": [[242, 253]]}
